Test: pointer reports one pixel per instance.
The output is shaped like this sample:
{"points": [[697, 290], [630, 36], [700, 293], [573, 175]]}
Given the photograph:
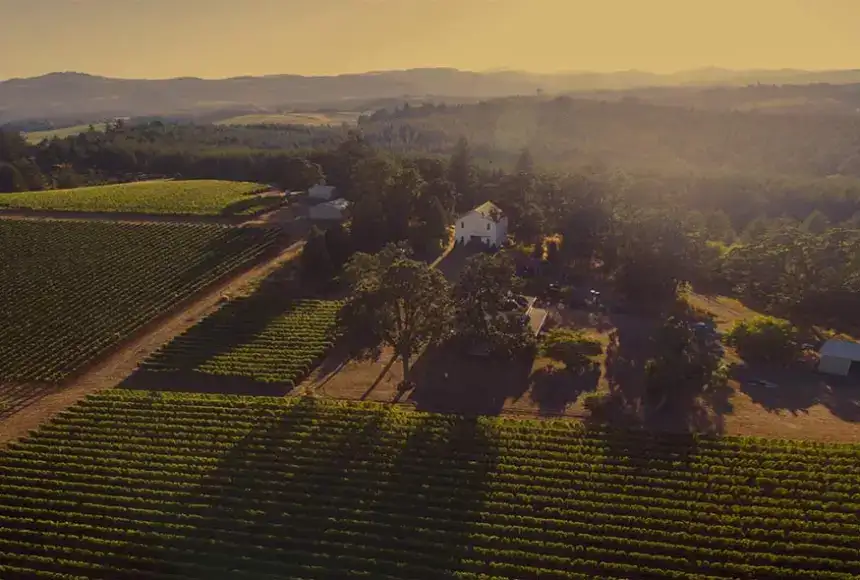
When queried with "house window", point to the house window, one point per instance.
{"points": [[488, 227], [462, 226]]}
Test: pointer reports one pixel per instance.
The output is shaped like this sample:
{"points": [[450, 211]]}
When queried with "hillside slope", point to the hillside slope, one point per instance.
{"points": [[81, 97]]}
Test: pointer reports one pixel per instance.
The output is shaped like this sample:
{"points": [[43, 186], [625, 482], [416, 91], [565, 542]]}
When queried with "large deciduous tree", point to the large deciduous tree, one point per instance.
{"points": [[486, 309], [686, 362], [396, 301], [11, 179], [461, 172]]}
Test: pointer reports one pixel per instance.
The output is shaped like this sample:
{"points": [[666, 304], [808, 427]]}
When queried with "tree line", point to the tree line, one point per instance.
{"points": [[786, 242]]}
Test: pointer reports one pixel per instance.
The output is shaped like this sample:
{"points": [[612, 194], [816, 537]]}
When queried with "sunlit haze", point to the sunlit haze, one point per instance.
{"points": [[220, 38]]}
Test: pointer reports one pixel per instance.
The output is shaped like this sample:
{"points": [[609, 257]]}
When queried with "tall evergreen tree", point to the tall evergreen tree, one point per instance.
{"points": [[461, 173]]}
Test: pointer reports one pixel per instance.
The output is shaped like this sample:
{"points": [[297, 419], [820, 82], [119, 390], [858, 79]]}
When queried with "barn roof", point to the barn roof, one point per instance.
{"points": [[838, 348]]}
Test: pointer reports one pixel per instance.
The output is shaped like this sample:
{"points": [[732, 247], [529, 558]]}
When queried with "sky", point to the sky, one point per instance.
{"points": [[224, 38]]}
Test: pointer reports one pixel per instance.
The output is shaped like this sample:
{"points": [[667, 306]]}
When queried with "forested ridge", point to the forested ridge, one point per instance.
{"points": [[567, 133]]}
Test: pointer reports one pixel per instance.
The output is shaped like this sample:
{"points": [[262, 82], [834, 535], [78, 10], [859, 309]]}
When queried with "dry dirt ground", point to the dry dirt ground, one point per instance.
{"points": [[806, 405], [117, 366]]}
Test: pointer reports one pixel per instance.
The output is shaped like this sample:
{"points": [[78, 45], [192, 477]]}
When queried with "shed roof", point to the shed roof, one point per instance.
{"points": [[841, 349]]}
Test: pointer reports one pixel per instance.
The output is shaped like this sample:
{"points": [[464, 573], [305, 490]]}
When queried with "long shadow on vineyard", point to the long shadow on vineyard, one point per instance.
{"points": [[641, 451], [628, 404], [218, 252], [346, 492], [447, 380], [236, 323]]}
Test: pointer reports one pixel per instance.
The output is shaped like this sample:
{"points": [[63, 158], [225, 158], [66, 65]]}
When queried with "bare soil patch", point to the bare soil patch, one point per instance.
{"points": [[341, 377], [805, 405]]}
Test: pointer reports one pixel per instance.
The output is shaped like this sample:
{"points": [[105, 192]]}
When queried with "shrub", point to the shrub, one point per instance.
{"points": [[571, 347], [765, 339]]}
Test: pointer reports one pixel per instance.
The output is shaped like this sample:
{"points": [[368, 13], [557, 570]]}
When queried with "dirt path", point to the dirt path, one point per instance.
{"points": [[119, 365]]}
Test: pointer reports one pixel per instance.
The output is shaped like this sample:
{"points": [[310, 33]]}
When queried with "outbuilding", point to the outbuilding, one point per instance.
{"points": [[334, 210], [837, 355], [321, 192]]}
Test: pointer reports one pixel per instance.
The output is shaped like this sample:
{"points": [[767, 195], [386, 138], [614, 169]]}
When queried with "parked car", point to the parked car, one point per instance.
{"points": [[763, 383]]}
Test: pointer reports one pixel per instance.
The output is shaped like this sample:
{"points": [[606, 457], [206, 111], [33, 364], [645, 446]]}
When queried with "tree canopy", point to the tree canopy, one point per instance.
{"points": [[395, 301]]}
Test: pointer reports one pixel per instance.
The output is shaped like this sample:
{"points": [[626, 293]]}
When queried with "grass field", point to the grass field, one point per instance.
{"points": [[70, 289], [197, 197], [257, 340], [315, 119], [156, 485], [35, 137]]}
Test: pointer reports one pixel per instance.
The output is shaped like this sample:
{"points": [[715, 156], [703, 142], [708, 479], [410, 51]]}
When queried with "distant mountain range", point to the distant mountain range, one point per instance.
{"points": [[83, 98]]}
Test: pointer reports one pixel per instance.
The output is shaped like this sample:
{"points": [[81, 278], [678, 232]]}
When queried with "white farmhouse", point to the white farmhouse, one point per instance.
{"points": [[485, 224], [321, 192]]}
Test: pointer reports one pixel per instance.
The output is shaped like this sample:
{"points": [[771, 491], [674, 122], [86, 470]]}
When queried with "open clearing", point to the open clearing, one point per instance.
{"points": [[807, 405], [194, 197], [133, 484], [35, 137], [310, 118]]}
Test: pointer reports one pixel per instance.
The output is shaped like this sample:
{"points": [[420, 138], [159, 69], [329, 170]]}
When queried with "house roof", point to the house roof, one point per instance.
{"points": [[841, 349], [488, 209]]}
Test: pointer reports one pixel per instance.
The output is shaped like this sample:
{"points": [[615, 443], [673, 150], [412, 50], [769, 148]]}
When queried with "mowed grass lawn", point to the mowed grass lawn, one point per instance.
{"points": [[197, 197]]}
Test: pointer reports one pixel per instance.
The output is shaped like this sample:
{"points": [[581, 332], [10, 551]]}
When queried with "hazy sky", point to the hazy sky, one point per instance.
{"points": [[219, 38]]}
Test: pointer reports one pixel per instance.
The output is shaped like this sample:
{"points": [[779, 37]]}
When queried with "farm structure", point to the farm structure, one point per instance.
{"points": [[334, 210], [321, 192], [836, 356], [486, 224]]}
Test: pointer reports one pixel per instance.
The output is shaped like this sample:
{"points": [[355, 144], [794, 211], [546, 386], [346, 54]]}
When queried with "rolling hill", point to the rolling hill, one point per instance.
{"points": [[78, 97]]}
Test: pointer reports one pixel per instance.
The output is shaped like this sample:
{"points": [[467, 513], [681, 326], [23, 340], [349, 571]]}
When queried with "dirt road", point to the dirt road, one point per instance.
{"points": [[119, 365]]}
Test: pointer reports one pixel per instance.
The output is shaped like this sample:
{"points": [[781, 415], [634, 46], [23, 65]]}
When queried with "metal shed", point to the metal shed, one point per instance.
{"points": [[836, 356], [330, 210]]}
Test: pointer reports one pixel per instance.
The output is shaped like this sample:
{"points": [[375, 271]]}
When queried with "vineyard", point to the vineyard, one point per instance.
{"points": [[145, 485], [264, 338], [69, 290], [201, 197]]}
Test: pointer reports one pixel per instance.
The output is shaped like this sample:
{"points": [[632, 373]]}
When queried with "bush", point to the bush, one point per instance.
{"points": [[765, 339], [572, 348]]}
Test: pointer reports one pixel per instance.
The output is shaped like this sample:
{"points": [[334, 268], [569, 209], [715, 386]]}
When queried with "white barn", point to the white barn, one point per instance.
{"points": [[836, 356], [329, 210], [321, 192], [486, 224]]}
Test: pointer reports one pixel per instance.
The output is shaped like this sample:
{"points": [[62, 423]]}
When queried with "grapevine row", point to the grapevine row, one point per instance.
{"points": [[133, 484], [69, 290]]}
